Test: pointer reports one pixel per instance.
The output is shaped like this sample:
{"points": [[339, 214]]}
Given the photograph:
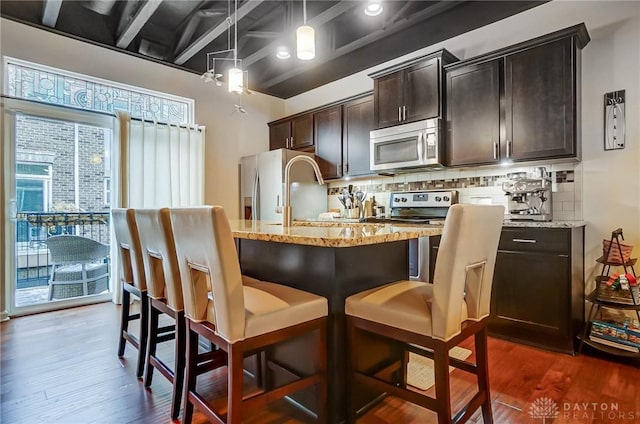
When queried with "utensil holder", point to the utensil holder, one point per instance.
{"points": [[352, 213]]}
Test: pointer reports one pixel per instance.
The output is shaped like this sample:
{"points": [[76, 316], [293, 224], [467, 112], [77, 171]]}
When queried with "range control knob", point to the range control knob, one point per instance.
{"points": [[445, 198], [438, 198], [395, 199], [404, 199]]}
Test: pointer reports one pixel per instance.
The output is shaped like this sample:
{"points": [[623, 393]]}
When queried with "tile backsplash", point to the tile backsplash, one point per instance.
{"points": [[473, 186]]}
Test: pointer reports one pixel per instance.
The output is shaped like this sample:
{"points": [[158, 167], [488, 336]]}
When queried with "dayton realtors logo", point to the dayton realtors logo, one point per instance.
{"points": [[544, 408]]}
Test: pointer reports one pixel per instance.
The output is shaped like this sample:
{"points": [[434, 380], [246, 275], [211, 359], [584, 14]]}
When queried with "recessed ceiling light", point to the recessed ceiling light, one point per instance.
{"points": [[283, 53], [374, 8]]}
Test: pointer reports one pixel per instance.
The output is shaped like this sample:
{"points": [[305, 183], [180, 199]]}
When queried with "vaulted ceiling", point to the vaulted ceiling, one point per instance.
{"points": [[179, 33]]}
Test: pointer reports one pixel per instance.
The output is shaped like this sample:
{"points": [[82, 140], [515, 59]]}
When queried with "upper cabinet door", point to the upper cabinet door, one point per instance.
{"points": [[473, 114], [389, 99], [422, 91], [540, 102], [279, 135], [328, 136], [301, 131], [357, 123]]}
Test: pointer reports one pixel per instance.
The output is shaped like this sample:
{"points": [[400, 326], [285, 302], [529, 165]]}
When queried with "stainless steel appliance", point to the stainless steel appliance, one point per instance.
{"points": [[407, 147], [529, 195], [262, 187], [421, 208]]}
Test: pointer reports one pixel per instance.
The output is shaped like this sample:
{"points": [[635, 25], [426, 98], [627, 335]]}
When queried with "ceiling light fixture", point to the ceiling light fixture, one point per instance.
{"points": [[306, 37], [374, 8], [283, 52], [237, 79]]}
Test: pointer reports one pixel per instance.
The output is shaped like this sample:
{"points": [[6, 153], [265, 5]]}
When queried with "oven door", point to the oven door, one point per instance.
{"points": [[419, 259], [411, 145]]}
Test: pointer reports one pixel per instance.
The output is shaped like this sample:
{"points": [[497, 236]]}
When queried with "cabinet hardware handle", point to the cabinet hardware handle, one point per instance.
{"points": [[495, 150], [286, 142], [399, 113], [518, 240], [404, 113], [291, 141], [508, 149], [346, 168]]}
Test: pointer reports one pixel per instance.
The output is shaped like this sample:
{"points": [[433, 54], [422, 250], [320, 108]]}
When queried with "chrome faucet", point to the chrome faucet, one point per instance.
{"points": [[287, 184]]}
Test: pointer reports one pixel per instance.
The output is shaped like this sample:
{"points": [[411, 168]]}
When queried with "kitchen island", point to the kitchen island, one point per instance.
{"points": [[334, 260]]}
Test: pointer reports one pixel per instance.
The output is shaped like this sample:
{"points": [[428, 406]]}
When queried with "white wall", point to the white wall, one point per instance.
{"points": [[607, 183], [230, 135]]}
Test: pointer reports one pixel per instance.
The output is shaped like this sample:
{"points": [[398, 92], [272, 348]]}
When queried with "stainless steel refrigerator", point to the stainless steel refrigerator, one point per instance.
{"points": [[262, 187]]}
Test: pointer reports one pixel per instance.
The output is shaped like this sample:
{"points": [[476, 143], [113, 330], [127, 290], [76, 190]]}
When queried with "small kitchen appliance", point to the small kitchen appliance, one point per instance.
{"points": [[529, 195]]}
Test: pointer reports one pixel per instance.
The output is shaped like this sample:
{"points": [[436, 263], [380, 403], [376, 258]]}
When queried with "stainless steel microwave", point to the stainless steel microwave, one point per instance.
{"points": [[406, 147]]}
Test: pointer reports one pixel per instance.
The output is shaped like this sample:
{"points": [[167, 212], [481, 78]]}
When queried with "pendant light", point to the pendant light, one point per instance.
{"points": [[235, 77], [306, 37]]}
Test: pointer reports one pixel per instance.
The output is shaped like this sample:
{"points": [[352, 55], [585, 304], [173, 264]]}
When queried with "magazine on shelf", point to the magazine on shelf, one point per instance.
{"points": [[623, 331], [616, 344]]}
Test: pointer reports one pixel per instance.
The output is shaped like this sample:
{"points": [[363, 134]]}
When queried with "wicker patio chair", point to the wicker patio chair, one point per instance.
{"points": [[80, 266]]}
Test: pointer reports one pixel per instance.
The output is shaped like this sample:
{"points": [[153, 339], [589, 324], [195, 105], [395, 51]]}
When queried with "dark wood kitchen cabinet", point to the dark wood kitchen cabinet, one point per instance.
{"points": [[519, 103], [357, 123], [339, 135], [538, 286], [342, 138], [291, 133], [328, 140], [279, 135], [473, 114], [410, 91]]}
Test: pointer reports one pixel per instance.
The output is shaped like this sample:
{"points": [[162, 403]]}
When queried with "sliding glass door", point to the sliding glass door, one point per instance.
{"points": [[58, 181]]}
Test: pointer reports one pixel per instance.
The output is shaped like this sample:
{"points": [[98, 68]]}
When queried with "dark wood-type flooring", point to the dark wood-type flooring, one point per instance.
{"points": [[61, 367]]}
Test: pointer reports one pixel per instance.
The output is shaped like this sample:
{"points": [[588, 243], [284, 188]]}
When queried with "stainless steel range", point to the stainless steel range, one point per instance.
{"points": [[419, 207]]}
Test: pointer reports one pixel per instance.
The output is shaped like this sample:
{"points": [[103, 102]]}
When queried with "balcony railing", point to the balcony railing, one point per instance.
{"points": [[33, 229]]}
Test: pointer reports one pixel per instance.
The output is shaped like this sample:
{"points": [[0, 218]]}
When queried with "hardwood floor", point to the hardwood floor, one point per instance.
{"points": [[62, 367]]}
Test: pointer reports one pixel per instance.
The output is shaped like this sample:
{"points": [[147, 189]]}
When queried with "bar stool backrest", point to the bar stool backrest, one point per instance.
{"points": [[208, 263], [126, 231], [159, 256], [464, 266]]}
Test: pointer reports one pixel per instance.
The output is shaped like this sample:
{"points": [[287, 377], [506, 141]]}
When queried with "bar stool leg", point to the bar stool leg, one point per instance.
{"points": [[178, 378], [124, 321], [483, 374], [144, 332], [152, 343]]}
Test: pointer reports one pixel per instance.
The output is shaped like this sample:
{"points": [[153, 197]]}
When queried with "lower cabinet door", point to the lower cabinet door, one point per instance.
{"points": [[531, 297]]}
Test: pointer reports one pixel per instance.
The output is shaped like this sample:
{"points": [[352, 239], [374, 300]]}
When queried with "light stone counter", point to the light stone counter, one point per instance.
{"points": [[330, 234], [548, 224]]}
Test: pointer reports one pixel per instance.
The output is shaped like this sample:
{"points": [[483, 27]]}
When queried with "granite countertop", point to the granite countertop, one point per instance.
{"points": [[330, 234], [507, 223], [542, 224]]}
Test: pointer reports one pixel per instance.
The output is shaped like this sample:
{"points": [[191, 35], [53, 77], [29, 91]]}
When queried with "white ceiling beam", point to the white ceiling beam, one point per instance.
{"points": [[215, 32], [188, 32], [135, 25], [321, 19], [51, 12]]}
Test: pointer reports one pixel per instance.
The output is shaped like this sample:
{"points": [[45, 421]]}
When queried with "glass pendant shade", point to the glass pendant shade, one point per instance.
{"points": [[235, 80], [306, 39]]}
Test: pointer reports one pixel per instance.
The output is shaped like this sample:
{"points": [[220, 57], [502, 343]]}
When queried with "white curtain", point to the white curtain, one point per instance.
{"points": [[159, 165], [162, 165]]}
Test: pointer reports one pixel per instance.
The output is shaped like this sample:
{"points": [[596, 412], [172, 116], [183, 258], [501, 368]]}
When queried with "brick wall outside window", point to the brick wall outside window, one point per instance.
{"points": [[37, 136]]}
